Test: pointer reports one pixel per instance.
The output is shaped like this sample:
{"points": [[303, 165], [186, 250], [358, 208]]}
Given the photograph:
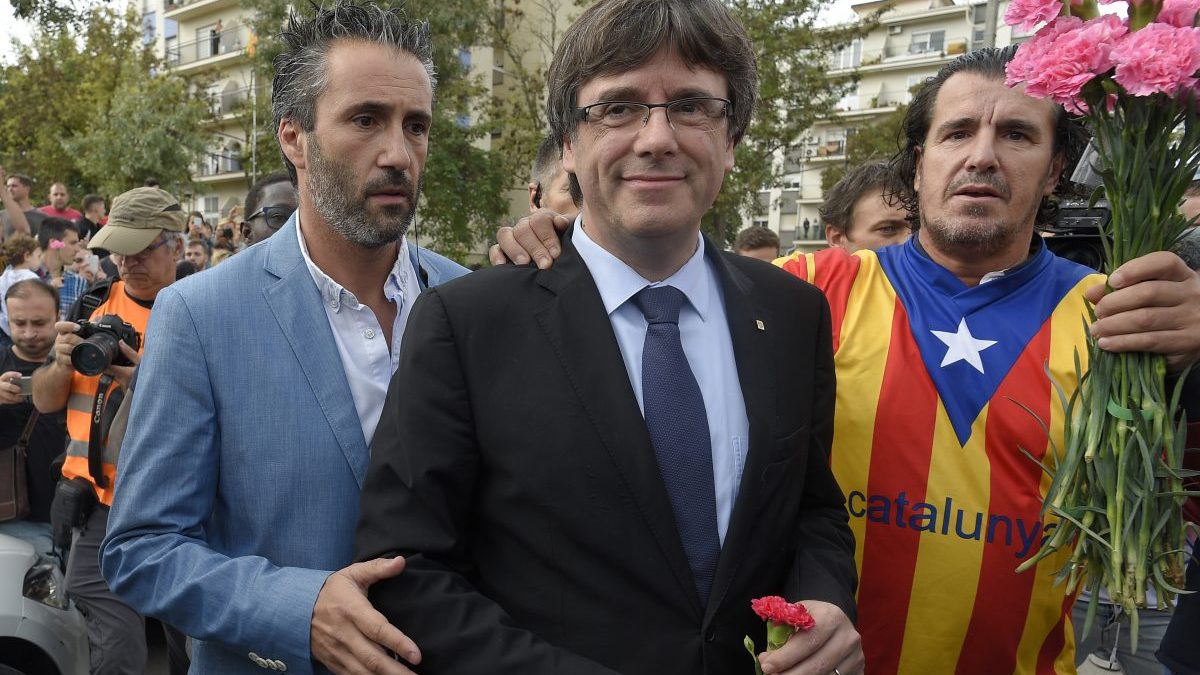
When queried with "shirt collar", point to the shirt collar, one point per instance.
{"points": [[335, 295], [618, 282]]}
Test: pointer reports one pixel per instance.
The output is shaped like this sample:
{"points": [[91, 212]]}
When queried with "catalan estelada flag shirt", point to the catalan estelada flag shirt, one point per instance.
{"points": [[939, 387]]}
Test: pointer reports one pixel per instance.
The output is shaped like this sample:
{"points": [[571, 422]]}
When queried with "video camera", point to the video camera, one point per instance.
{"points": [[1075, 234], [100, 347]]}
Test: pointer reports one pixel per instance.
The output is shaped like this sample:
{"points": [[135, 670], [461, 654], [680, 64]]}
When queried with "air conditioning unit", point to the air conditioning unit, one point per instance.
{"points": [[895, 29]]}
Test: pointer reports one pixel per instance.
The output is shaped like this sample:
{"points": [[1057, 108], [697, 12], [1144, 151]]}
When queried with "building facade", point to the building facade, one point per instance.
{"points": [[211, 41], [913, 40]]}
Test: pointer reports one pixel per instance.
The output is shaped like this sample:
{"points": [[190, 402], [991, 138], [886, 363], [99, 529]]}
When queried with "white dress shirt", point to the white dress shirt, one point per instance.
{"points": [[365, 354], [704, 331]]}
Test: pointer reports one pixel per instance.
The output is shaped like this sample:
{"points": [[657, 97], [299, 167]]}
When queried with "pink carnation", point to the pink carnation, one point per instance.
{"points": [[1159, 58], [1179, 13], [1027, 14], [1064, 56]]}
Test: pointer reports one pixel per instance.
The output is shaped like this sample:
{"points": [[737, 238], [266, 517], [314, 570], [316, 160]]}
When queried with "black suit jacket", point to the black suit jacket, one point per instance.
{"points": [[512, 466]]}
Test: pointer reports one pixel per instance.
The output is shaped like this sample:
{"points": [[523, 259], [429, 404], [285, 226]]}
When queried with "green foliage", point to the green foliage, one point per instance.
{"points": [[878, 141], [84, 107], [463, 187], [794, 92]]}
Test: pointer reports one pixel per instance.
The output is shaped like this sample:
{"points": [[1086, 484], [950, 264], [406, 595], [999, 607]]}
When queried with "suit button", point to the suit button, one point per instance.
{"points": [[711, 634]]}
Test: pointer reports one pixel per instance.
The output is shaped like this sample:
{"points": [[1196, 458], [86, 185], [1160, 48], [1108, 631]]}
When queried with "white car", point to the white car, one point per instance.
{"points": [[41, 632]]}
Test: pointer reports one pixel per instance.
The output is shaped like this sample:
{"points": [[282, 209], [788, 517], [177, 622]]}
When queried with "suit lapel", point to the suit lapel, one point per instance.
{"points": [[296, 304], [582, 338], [753, 349]]}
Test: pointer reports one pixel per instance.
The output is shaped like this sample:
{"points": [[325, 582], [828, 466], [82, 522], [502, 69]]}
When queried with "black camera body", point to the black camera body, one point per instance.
{"points": [[73, 502], [99, 348], [1076, 233]]}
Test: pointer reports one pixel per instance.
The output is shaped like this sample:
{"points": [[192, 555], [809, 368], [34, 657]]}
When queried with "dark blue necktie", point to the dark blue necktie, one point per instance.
{"points": [[678, 426]]}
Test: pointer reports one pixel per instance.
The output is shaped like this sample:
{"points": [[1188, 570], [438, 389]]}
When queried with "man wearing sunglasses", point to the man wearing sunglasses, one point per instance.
{"points": [[270, 202], [144, 235]]}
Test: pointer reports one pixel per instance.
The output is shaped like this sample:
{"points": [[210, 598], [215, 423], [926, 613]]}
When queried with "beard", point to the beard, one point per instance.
{"points": [[976, 231], [345, 207]]}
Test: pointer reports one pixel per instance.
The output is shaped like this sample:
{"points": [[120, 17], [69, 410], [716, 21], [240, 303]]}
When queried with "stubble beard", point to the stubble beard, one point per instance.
{"points": [[344, 205]]}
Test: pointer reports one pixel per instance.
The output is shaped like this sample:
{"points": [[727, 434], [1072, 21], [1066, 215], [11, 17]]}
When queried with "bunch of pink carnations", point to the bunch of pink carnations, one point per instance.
{"points": [[1117, 482]]}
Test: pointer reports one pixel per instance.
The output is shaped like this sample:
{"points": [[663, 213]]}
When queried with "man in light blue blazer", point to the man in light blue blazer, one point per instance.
{"points": [[247, 440]]}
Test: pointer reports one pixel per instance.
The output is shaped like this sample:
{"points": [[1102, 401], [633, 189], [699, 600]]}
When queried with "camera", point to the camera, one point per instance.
{"points": [[99, 348], [1075, 234], [72, 504]]}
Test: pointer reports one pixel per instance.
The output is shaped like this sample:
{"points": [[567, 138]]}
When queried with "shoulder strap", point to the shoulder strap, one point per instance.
{"points": [[29, 424], [101, 419], [90, 300]]}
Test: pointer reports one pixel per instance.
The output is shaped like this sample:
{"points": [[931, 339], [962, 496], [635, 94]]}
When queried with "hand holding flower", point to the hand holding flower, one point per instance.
{"points": [[829, 641]]}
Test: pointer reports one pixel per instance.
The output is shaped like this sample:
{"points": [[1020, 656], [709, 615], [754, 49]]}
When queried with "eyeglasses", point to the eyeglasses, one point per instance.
{"points": [[700, 113], [276, 216], [148, 250]]}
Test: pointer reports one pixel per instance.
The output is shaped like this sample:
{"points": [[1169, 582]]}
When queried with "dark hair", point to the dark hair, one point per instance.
{"points": [[615, 36], [54, 228], [547, 161], [301, 68], [183, 269], [89, 200], [1070, 137], [22, 179], [200, 241], [26, 288], [254, 196], [150, 182], [837, 210], [755, 236], [16, 249], [1193, 190]]}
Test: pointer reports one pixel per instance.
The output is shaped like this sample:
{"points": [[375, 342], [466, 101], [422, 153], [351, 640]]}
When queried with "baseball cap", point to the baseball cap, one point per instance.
{"points": [[135, 219]]}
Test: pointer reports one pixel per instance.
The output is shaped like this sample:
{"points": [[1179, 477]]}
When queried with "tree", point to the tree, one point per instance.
{"points": [[88, 109], [794, 92], [462, 196], [525, 35], [876, 142]]}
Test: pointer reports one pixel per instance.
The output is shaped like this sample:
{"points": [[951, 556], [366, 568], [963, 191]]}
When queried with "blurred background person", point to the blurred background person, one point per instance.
{"points": [[32, 309], [94, 211], [20, 258], [197, 253], [270, 202], [757, 241], [18, 214], [859, 211], [59, 204], [548, 184]]}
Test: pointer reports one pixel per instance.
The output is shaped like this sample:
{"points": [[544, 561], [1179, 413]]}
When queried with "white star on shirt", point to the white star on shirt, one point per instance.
{"points": [[962, 346]]}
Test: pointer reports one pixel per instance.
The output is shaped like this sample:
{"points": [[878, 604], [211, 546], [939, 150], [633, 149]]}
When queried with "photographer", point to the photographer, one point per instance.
{"points": [[144, 235]]}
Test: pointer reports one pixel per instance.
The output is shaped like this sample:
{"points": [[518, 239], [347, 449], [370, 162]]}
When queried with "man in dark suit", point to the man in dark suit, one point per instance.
{"points": [[595, 468]]}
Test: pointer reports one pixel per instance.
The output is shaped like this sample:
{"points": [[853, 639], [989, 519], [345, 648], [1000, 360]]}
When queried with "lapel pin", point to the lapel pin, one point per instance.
{"points": [[760, 324]]}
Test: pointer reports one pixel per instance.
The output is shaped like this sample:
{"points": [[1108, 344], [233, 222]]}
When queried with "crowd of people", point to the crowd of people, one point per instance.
{"points": [[590, 457]]}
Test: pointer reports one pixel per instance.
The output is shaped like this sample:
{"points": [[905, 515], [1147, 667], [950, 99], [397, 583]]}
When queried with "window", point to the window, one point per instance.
{"points": [[849, 56], [931, 41], [170, 28], [212, 204], [977, 35]]}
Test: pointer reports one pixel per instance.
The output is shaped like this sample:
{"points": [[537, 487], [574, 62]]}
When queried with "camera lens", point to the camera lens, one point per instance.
{"points": [[94, 355]]}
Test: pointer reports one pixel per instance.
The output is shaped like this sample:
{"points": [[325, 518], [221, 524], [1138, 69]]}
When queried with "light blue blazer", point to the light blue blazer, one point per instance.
{"points": [[239, 477]]}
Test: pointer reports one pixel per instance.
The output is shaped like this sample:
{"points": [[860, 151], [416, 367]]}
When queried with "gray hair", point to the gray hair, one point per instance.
{"points": [[301, 70]]}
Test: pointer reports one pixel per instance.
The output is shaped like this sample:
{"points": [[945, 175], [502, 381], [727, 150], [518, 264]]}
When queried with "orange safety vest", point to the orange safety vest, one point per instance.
{"points": [[83, 395]]}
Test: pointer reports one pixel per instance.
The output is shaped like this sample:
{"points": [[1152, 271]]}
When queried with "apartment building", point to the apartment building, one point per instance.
{"points": [[209, 39], [913, 40]]}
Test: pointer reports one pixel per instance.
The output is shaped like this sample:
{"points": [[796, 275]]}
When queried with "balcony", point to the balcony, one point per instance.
{"points": [[909, 55], [185, 10], [226, 104], [227, 45]]}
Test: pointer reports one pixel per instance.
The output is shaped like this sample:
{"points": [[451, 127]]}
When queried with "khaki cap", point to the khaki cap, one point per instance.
{"points": [[136, 218]]}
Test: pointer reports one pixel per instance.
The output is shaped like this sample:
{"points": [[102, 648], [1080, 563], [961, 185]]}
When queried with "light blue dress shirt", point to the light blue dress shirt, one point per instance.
{"points": [[704, 331]]}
